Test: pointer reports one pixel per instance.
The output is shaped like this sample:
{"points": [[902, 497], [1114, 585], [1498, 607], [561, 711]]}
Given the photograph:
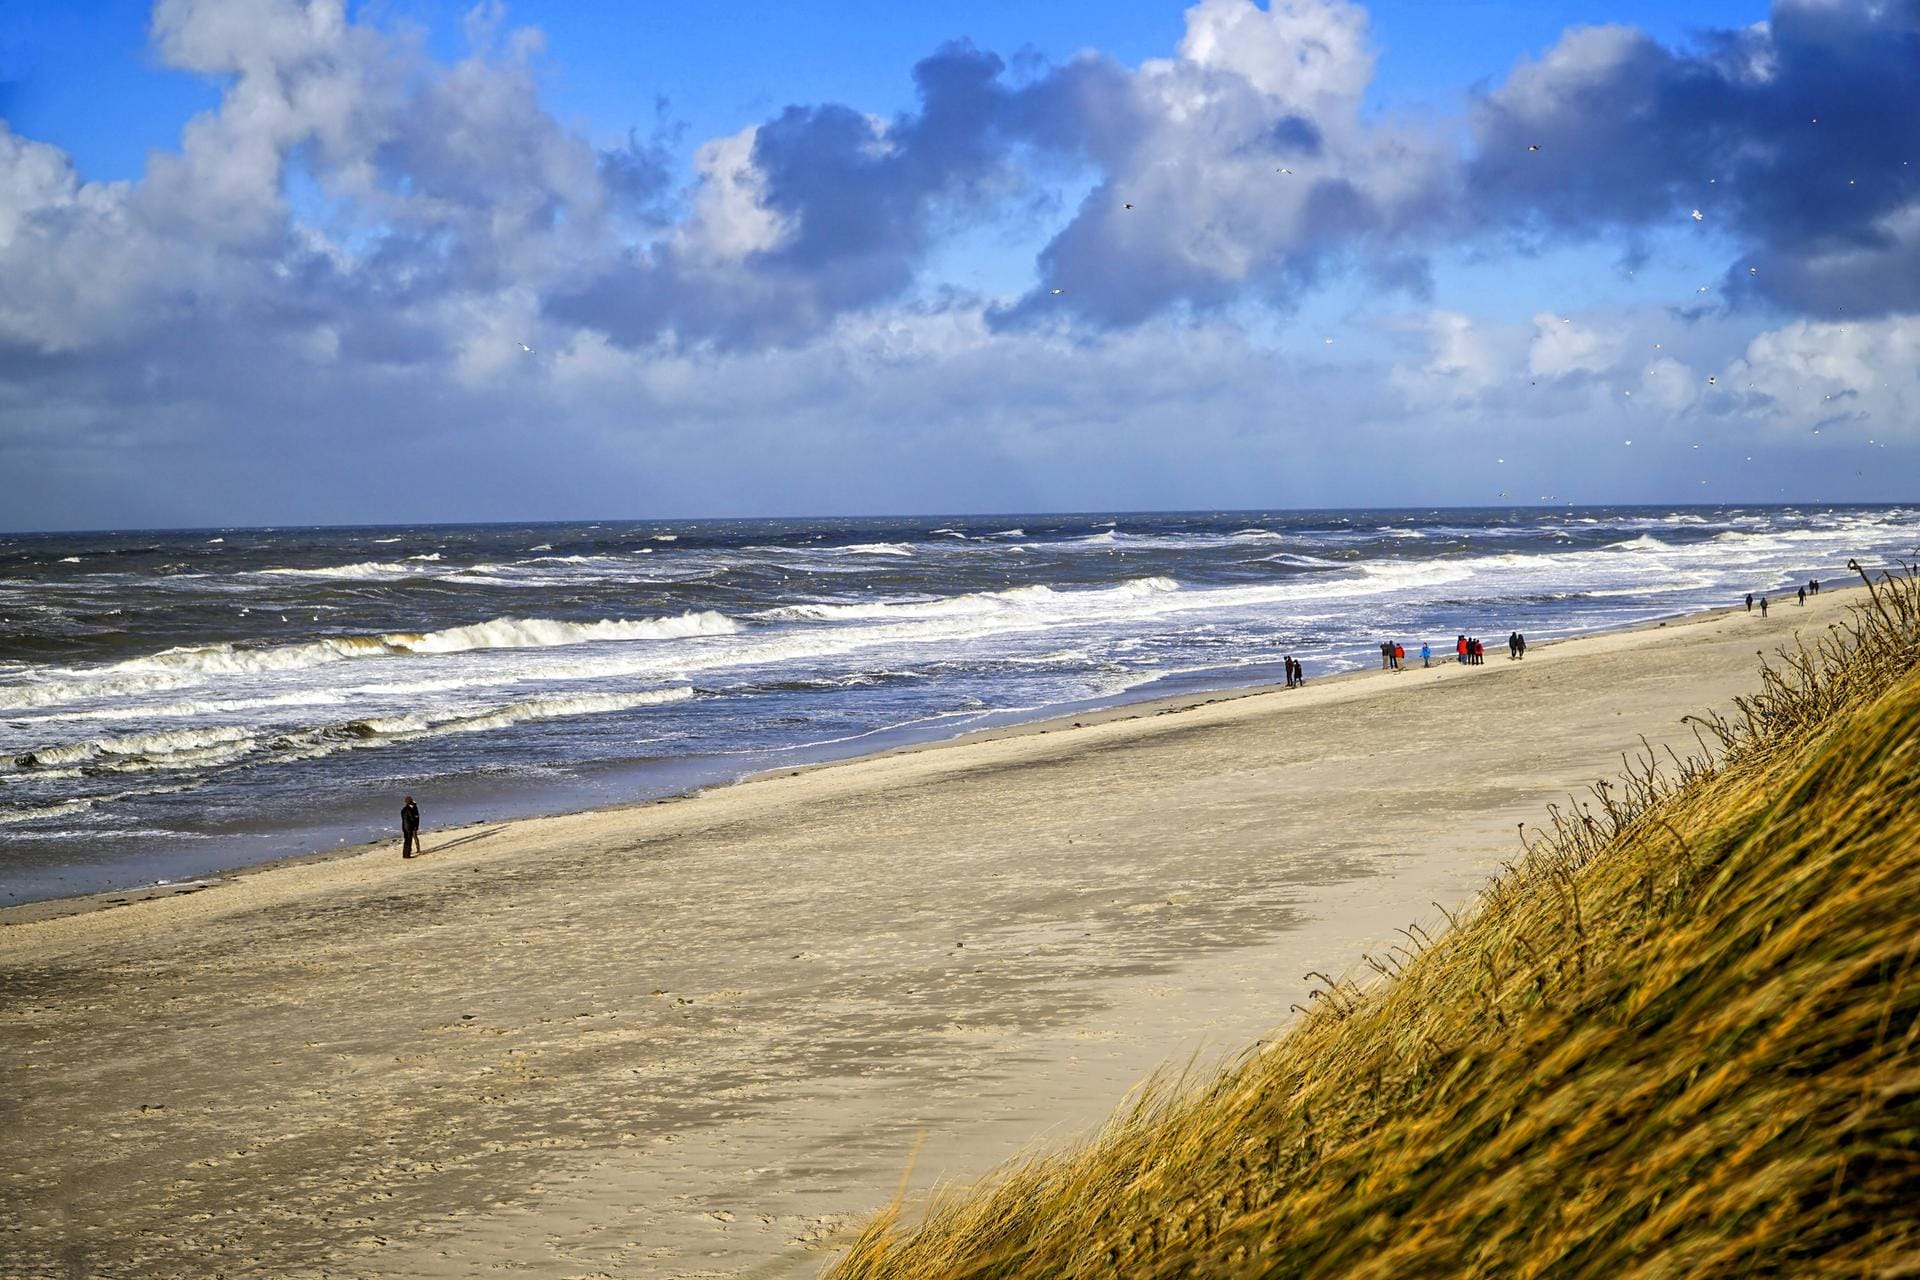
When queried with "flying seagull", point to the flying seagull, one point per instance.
{"points": [[1056, 292], [1127, 206], [1698, 216], [524, 347], [1533, 146], [1710, 382], [1283, 169]]}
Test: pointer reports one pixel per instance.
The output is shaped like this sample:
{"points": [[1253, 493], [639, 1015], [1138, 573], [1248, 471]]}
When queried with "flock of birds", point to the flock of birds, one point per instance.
{"points": [[1696, 215]]}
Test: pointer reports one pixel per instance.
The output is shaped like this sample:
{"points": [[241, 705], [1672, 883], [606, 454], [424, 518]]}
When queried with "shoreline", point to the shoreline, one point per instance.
{"points": [[1104, 711], [705, 1036]]}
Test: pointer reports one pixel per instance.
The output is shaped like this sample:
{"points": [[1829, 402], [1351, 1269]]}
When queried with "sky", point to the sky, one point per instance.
{"points": [[284, 262]]}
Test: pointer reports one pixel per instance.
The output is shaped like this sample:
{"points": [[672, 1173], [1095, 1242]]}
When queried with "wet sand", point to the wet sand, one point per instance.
{"points": [[699, 1037]]}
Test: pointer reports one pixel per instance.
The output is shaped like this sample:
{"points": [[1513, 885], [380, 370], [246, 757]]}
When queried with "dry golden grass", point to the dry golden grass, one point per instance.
{"points": [[1681, 1038]]}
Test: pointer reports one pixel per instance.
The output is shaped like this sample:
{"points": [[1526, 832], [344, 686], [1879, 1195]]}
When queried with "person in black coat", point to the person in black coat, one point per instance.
{"points": [[409, 828]]}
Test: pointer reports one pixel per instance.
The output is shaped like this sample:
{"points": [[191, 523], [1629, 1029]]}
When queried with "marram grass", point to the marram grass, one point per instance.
{"points": [[1680, 1038]]}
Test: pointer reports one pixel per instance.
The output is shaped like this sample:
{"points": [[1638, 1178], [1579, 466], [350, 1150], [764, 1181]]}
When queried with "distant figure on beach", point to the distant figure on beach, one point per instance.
{"points": [[1289, 664], [1749, 602], [1460, 649], [1815, 585], [1803, 597], [409, 828], [1399, 656], [1299, 675], [1386, 655], [1763, 606], [1426, 654], [1513, 646], [1521, 640], [1476, 652]]}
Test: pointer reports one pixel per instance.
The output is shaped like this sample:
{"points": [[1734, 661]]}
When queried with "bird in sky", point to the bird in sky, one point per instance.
{"points": [[1698, 216], [1533, 146], [1127, 206], [1283, 169], [1711, 381], [1056, 292], [524, 347]]}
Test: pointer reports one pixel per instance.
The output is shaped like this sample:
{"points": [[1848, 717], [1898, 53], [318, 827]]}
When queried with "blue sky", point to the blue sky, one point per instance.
{"points": [[275, 261]]}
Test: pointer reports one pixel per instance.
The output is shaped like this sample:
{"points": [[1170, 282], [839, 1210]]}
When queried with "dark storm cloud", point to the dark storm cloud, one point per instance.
{"points": [[860, 202], [1799, 139]]}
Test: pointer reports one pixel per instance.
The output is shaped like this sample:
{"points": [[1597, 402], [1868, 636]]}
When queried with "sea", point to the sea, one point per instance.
{"points": [[175, 704]]}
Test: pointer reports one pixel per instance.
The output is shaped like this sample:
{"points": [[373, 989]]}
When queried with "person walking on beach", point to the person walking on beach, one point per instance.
{"points": [[1520, 640], [1299, 675], [1803, 597], [1749, 602], [1513, 645], [1399, 656], [1460, 650], [1763, 606], [1426, 654], [1289, 665], [409, 828], [1386, 655]]}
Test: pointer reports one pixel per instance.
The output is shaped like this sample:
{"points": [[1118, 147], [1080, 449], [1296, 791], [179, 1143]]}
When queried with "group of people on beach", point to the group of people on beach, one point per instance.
{"points": [[1800, 596], [1296, 674], [1468, 649]]}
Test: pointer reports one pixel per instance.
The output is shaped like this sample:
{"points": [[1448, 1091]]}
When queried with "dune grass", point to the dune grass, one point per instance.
{"points": [[1681, 1037]]}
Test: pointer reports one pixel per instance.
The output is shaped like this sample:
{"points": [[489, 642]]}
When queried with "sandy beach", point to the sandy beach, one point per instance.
{"points": [[699, 1037]]}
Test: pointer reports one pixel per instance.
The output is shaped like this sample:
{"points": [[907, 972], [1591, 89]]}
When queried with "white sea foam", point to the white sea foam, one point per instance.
{"points": [[874, 549]]}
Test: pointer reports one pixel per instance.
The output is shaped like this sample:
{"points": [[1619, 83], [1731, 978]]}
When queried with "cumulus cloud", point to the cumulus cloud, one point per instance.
{"points": [[1461, 363], [1561, 347], [1792, 138], [344, 255]]}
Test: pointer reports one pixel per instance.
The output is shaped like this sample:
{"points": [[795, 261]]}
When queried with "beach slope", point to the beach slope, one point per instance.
{"points": [[706, 1036]]}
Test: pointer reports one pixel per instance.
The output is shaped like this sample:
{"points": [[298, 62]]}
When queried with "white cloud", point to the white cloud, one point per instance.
{"points": [[730, 217], [1562, 346], [1312, 56], [1461, 363]]}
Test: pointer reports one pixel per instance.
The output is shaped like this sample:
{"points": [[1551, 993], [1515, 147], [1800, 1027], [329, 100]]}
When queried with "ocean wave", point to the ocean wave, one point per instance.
{"points": [[174, 668], [370, 730], [1645, 542], [180, 744], [975, 604], [365, 569], [1300, 561], [40, 813], [873, 549]]}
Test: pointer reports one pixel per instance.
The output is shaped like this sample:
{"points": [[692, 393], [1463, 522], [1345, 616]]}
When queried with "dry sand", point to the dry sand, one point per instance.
{"points": [[700, 1036]]}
